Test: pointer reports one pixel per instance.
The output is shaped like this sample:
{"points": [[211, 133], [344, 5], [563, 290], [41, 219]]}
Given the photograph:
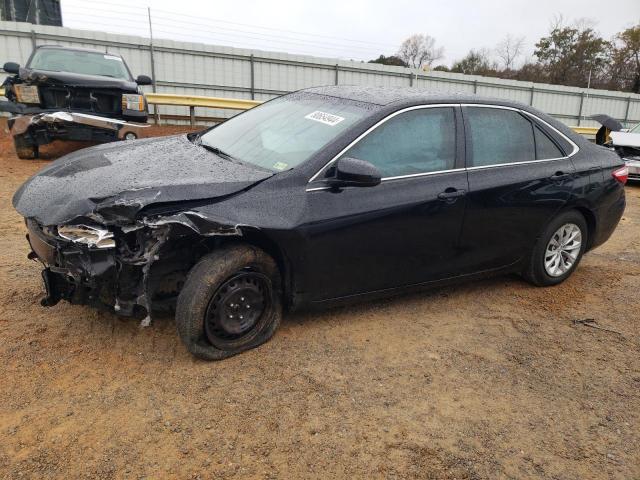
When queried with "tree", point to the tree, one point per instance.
{"points": [[573, 55], [476, 62], [509, 49], [625, 64], [419, 50], [390, 60]]}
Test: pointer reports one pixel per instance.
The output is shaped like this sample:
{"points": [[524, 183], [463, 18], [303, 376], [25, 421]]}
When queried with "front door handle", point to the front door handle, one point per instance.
{"points": [[559, 176], [451, 194]]}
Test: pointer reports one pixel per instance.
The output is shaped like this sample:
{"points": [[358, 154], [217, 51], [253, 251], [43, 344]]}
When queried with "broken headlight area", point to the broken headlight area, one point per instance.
{"points": [[88, 235], [130, 271]]}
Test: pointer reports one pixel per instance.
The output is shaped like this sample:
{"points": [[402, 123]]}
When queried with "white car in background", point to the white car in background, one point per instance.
{"points": [[626, 143]]}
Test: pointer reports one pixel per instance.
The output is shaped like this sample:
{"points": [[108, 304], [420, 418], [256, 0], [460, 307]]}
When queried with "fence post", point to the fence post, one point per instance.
{"points": [[192, 116], [156, 110], [33, 39], [411, 79], [253, 77], [533, 89], [337, 70], [626, 114], [475, 86], [581, 105]]}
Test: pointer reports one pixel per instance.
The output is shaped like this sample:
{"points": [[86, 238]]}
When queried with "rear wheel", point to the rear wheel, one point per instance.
{"points": [[25, 149], [559, 250], [230, 302]]}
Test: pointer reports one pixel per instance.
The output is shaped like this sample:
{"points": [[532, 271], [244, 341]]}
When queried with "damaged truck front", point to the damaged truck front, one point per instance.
{"points": [[72, 94], [106, 239]]}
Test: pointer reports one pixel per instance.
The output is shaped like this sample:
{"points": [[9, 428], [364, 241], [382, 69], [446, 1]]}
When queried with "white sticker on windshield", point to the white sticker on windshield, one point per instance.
{"points": [[111, 57], [326, 118]]}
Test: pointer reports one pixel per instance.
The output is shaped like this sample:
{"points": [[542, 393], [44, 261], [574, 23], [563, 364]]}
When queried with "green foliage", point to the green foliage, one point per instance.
{"points": [[571, 55], [390, 60], [625, 61], [475, 63]]}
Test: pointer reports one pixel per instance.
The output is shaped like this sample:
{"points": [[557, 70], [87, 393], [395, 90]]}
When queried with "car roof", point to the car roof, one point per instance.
{"points": [[74, 49], [384, 96]]}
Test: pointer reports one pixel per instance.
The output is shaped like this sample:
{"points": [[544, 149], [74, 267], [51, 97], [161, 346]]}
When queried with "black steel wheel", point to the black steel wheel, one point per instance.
{"points": [[230, 302], [237, 308]]}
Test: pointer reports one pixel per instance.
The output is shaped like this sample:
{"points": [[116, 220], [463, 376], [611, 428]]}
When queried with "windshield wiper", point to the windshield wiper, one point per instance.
{"points": [[218, 152]]}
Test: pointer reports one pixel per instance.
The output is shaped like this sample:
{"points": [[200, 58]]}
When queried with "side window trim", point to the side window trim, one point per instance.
{"points": [[462, 140], [534, 119], [459, 164]]}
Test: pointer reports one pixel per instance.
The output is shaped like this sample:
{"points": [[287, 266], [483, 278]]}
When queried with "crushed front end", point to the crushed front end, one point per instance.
{"points": [[84, 264]]}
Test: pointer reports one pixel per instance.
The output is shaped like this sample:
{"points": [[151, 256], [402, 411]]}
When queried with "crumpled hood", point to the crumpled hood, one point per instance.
{"points": [[112, 182]]}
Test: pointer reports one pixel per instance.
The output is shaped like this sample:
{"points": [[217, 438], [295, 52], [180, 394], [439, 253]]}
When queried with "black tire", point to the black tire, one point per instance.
{"points": [[536, 272], [25, 150], [203, 303]]}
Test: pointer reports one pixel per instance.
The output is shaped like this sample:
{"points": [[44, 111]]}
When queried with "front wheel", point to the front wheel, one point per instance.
{"points": [[559, 250], [25, 149], [231, 302]]}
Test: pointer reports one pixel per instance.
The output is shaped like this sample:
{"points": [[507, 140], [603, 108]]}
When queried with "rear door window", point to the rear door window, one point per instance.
{"points": [[545, 147], [413, 142], [498, 136]]}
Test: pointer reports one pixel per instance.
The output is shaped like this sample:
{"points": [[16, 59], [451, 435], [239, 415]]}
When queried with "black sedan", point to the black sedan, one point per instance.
{"points": [[316, 198]]}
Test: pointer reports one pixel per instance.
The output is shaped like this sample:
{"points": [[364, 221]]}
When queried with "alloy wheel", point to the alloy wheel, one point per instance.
{"points": [[563, 250]]}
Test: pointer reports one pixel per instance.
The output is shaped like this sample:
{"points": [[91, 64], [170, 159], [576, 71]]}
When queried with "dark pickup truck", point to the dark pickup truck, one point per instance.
{"points": [[72, 94]]}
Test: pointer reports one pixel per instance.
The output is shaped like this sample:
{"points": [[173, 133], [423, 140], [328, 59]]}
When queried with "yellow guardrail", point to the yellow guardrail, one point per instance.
{"points": [[199, 101], [585, 130]]}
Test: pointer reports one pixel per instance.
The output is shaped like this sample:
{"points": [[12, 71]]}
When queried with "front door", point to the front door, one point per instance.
{"points": [[402, 232]]}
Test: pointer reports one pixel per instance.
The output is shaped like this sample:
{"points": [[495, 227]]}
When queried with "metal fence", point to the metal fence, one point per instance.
{"points": [[208, 70]]}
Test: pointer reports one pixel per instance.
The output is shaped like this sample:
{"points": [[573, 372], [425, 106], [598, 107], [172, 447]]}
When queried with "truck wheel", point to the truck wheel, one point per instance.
{"points": [[230, 302], [24, 148]]}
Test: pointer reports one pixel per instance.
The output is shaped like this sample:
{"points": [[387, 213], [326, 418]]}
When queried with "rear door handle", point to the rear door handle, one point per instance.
{"points": [[451, 193], [559, 176]]}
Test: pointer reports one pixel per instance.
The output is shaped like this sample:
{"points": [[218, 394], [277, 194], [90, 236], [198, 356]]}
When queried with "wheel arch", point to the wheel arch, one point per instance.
{"points": [[258, 238], [590, 219]]}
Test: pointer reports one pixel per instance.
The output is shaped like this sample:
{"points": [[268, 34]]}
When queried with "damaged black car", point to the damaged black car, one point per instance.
{"points": [[72, 94], [320, 197]]}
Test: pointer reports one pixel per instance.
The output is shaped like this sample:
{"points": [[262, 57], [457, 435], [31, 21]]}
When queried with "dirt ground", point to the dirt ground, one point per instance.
{"points": [[490, 379]]}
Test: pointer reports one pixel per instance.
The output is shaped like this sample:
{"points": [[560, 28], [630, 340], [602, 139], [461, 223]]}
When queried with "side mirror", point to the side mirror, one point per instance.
{"points": [[351, 172], [143, 80], [11, 67]]}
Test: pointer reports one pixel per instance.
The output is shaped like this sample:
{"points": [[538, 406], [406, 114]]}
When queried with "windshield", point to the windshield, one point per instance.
{"points": [[635, 129], [85, 63], [285, 132]]}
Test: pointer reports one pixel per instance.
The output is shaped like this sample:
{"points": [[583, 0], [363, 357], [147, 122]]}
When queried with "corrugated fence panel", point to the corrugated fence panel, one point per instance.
{"points": [[209, 70]]}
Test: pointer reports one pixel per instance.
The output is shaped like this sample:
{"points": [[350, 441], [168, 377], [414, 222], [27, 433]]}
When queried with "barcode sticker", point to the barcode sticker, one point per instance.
{"points": [[326, 118]]}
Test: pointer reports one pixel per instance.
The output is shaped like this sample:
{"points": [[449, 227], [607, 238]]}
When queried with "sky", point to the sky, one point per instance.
{"points": [[347, 29]]}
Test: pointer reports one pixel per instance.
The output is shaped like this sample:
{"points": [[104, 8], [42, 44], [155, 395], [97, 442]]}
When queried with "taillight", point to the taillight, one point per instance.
{"points": [[621, 174]]}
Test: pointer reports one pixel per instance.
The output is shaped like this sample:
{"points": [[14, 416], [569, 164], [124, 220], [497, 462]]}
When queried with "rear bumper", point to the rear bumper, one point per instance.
{"points": [[58, 124], [609, 214]]}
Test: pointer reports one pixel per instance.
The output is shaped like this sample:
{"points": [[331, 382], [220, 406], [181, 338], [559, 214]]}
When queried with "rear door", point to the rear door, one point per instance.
{"points": [[519, 177], [403, 231]]}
